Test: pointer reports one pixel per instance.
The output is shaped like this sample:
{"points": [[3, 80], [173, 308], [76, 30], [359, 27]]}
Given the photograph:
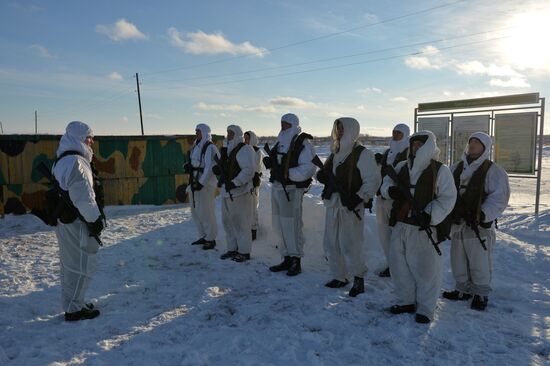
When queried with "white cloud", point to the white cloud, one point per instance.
{"points": [[360, 107], [42, 51], [201, 43], [235, 108], [501, 75], [292, 102], [369, 90], [122, 30], [399, 99], [514, 82], [115, 76], [424, 62], [420, 63], [124, 119]]}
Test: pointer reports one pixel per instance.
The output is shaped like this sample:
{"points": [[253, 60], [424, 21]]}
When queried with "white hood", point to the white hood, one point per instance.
{"points": [[237, 138], [206, 135], [73, 139], [470, 168], [342, 148], [285, 136], [398, 146], [423, 156], [253, 138]]}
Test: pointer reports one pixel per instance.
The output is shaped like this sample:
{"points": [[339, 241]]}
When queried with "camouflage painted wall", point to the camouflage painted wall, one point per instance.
{"points": [[134, 169]]}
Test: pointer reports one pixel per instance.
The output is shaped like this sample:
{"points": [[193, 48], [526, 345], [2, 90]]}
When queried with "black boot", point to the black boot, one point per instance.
{"points": [[254, 232], [336, 283], [358, 286], [385, 273], [295, 266], [479, 302], [209, 245], [283, 266], [400, 309], [456, 295], [201, 241], [422, 319], [82, 314], [229, 254], [241, 257]]}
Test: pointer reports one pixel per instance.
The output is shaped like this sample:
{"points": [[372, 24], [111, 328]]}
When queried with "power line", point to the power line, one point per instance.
{"points": [[326, 67], [329, 59], [423, 11]]}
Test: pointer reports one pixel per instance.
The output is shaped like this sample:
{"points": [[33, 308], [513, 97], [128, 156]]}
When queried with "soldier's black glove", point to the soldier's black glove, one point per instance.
{"points": [[424, 219], [395, 193], [95, 228], [378, 158], [256, 180], [188, 168], [216, 170], [230, 185], [268, 163], [196, 186], [322, 176]]}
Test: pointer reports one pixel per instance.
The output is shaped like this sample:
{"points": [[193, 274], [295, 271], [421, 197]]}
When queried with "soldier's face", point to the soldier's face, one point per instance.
{"points": [[247, 139], [339, 130], [230, 135], [198, 135], [475, 148], [285, 125], [416, 144], [397, 135], [89, 140]]}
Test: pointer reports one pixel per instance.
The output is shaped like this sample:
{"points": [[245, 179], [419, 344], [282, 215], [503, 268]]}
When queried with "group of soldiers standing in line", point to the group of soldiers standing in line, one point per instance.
{"points": [[419, 202]]}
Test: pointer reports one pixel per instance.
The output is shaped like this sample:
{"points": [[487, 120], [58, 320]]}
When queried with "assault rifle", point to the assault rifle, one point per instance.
{"points": [[223, 180], [273, 156], [473, 224]]}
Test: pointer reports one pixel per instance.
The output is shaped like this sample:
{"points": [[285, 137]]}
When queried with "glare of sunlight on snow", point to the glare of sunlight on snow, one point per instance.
{"points": [[216, 291], [161, 319], [527, 45]]}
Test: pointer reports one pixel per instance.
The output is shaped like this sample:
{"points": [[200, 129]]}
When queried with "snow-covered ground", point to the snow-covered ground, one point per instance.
{"points": [[165, 302]]}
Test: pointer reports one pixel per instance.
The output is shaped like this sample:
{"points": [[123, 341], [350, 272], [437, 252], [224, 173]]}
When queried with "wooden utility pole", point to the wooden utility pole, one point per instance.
{"points": [[139, 101], [35, 122]]}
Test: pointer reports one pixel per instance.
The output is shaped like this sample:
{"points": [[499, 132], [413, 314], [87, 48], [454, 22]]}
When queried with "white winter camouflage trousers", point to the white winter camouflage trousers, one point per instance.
{"points": [[287, 220], [236, 223], [416, 268], [470, 263], [203, 213], [343, 242], [78, 262]]}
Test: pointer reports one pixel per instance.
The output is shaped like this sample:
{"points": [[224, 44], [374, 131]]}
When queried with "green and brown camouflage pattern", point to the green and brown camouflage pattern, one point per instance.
{"points": [[133, 169]]}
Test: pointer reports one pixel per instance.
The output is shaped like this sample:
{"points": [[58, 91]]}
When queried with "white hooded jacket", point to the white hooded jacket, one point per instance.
{"points": [[445, 191], [398, 146], [497, 186], [246, 158], [305, 168], [206, 177], [74, 173], [259, 154], [366, 162]]}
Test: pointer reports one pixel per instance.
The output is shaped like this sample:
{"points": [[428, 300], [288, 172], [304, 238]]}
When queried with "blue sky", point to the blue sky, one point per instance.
{"points": [[249, 62]]}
